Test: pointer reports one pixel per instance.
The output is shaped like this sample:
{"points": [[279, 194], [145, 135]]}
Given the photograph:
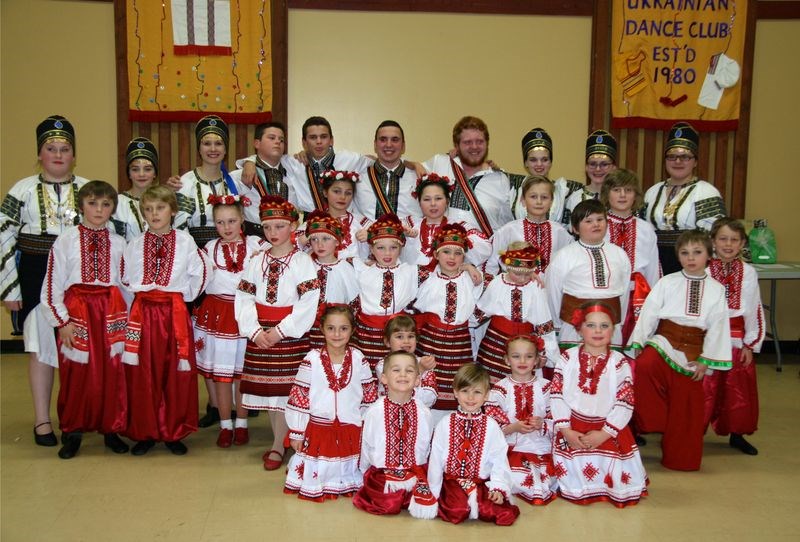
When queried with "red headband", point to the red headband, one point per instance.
{"points": [[536, 340], [579, 315]]}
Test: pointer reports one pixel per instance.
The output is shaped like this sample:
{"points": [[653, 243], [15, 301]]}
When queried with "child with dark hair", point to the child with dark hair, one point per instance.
{"points": [[589, 269], [81, 294], [333, 386]]}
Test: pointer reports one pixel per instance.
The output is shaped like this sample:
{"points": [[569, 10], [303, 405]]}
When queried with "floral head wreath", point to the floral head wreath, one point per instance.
{"points": [[433, 178], [327, 178], [387, 226], [451, 234], [524, 258], [229, 199], [321, 222], [277, 208], [535, 340], [579, 315]]}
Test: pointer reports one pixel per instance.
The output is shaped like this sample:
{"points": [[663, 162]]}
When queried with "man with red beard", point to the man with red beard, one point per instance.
{"points": [[481, 194]]}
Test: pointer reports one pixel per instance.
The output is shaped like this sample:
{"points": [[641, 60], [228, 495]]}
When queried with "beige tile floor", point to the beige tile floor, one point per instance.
{"points": [[215, 494]]}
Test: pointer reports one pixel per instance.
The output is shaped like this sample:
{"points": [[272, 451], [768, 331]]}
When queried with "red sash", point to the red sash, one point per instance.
{"points": [[737, 327], [376, 187], [272, 313], [319, 200], [477, 210]]}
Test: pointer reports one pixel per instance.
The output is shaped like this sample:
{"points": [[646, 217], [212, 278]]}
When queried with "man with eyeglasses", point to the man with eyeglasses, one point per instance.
{"points": [[682, 201], [601, 159]]}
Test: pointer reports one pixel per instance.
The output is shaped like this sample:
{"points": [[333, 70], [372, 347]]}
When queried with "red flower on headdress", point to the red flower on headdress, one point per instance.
{"points": [[433, 178], [577, 318]]}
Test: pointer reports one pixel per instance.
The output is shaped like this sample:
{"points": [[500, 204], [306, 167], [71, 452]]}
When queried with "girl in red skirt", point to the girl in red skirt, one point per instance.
{"points": [[521, 405], [276, 303], [515, 304], [594, 454], [446, 301], [332, 387], [732, 396], [220, 347], [165, 269], [83, 301]]}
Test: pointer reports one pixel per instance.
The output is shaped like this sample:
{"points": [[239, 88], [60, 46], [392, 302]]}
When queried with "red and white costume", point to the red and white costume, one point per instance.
{"points": [[324, 411], [164, 271], [587, 272], [384, 292], [514, 310], [446, 305], [81, 288], [596, 393], [732, 396], [426, 391], [418, 249], [548, 237], [637, 238], [491, 188], [529, 455], [337, 285], [352, 223], [280, 293], [668, 400], [468, 460], [395, 445], [219, 345]]}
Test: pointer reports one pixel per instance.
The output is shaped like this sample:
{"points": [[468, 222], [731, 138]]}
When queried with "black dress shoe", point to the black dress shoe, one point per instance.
{"points": [[253, 413], [142, 447], [48, 439], [115, 444], [211, 417], [71, 444], [738, 441], [177, 447], [640, 440]]}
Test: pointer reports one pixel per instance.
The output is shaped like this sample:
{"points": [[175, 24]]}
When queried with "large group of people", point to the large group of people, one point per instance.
{"points": [[436, 336]]}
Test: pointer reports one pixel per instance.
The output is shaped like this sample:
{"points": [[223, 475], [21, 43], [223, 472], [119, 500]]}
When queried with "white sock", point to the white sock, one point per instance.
{"points": [[226, 424], [241, 423]]}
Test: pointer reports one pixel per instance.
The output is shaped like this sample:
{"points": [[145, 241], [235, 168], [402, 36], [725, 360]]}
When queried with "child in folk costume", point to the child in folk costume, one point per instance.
{"points": [[622, 196], [682, 332], [395, 444], [165, 269], [433, 194], [591, 400], [338, 188], [400, 335], [468, 470], [732, 396], [601, 159], [521, 405], [220, 347], [332, 387], [546, 235], [337, 278], [588, 269], [83, 301], [515, 304], [446, 300], [33, 213], [276, 302], [386, 288]]}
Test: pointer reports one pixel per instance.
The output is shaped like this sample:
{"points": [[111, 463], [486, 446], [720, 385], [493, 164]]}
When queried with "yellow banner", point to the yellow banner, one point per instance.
{"points": [[195, 63], [677, 60]]}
